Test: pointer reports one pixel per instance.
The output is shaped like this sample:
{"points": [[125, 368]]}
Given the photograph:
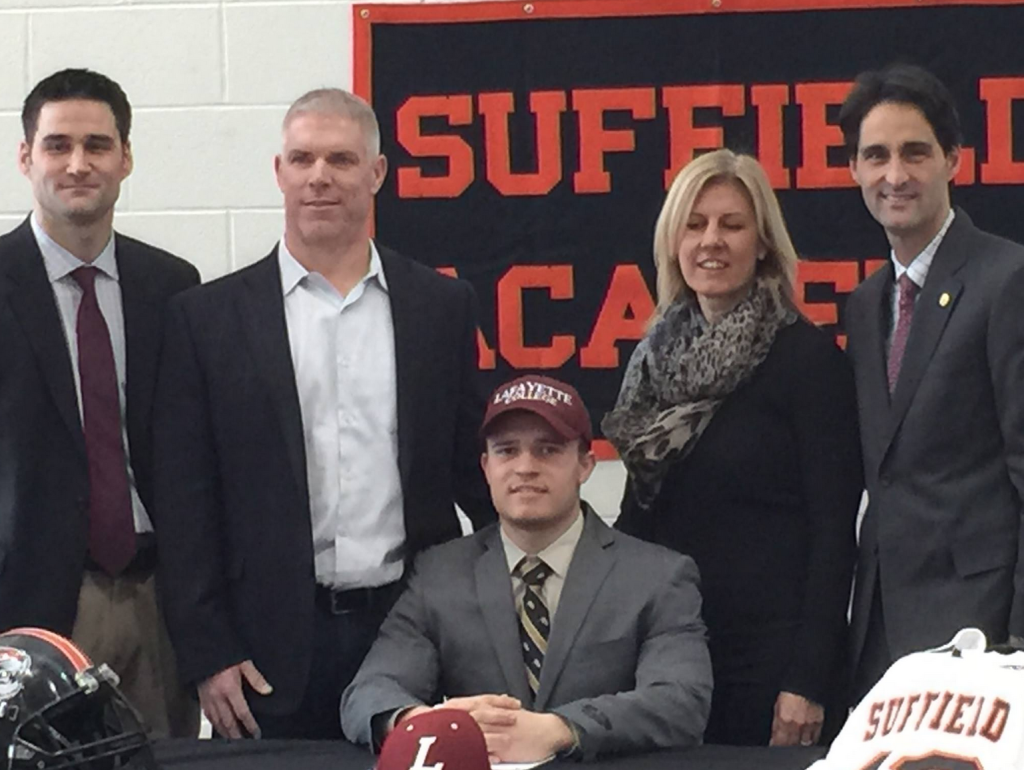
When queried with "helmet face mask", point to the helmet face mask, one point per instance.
{"points": [[58, 710]]}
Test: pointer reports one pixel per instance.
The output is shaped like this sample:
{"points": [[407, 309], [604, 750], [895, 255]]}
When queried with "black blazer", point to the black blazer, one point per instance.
{"points": [[232, 497], [44, 475], [944, 457], [766, 504]]}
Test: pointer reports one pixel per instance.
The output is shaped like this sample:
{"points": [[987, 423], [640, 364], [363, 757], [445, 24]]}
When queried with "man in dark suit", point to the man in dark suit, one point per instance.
{"points": [[558, 634], [81, 323], [937, 342], [316, 419]]}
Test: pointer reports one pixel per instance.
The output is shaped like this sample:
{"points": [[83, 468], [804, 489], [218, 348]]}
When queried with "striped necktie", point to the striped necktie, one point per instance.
{"points": [[534, 620]]}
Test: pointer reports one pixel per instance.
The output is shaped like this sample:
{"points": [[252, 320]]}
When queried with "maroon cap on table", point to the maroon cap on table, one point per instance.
{"points": [[447, 738], [555, 401]]}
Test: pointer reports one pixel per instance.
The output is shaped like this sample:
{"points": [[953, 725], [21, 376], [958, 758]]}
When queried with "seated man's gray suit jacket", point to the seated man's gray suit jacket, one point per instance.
{"points": [[627, 658]]}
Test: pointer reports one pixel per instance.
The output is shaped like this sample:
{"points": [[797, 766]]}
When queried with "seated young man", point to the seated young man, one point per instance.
{"points": [[557, 634]]}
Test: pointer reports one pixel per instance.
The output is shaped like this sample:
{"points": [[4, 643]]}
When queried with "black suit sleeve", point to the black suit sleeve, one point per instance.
{"points": [[828, 445], [471, 492], [1006, 365], [188, 511]]}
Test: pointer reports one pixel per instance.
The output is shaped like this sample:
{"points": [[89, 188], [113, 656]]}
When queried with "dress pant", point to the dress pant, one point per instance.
{"points": [[344, 628], [876, 657], [119, 622]]}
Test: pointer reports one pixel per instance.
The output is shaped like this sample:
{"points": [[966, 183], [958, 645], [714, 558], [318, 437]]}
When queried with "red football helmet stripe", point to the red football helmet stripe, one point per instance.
{"points": [[71, 651]]}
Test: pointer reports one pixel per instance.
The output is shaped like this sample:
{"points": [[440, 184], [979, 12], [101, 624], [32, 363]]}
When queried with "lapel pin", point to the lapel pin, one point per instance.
{"points": [[944, 299]]}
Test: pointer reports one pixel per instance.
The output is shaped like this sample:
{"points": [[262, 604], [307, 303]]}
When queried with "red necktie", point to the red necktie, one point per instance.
{"points": [[908, 290], [111, 525]]}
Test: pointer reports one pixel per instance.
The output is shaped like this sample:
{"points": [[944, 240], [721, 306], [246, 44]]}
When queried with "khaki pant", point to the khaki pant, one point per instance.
{"points": [[119, 623]]}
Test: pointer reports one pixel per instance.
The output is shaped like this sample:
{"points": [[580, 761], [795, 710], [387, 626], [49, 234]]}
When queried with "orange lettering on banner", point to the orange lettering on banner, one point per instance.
{"points": [[485, 358], [596, 140], [459, 111], [627, 306], [873, 265], [843, 275], [547, 106], [511, 338], [684, 137], [818, 135], [769, 101], [999, 95]]}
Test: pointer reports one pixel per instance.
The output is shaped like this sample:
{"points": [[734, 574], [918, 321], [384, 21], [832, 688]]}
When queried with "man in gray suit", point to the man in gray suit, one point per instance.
{"points": [[557, 634], [937, 342]]}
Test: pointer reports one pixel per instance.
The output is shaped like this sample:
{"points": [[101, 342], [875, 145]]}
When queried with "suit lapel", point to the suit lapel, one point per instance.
{"points": [[262, 308], [494, 594], [34, 304], [591, 563], [406, 317], [877, 300], [934, 307], [141, 338]]}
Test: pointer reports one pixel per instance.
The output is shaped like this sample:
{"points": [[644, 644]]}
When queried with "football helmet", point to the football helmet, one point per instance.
{"points": [[58, 710]]}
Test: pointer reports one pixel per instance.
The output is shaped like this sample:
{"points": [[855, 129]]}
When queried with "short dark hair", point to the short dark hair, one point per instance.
{"points": [[76, 84], [901, 84]]}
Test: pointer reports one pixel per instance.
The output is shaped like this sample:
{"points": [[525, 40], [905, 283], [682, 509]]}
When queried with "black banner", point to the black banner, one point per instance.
{"points": [[531, 144]]}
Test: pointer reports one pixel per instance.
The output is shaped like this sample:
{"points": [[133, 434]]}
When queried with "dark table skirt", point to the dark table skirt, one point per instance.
{"points": [[314, 755]]}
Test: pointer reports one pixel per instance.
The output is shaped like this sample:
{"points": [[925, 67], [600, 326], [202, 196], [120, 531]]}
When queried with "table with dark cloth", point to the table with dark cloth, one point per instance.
{"points": [[326, 755]]}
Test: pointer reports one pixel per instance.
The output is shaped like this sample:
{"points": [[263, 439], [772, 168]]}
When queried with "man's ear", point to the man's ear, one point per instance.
{"points": [[380, 171], [127, 159], [953, 160], [24, 157], [588, 461]]}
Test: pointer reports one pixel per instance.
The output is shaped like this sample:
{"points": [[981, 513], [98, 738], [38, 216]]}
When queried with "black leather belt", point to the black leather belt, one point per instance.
{"points": [[143, 563], [344, 601]]}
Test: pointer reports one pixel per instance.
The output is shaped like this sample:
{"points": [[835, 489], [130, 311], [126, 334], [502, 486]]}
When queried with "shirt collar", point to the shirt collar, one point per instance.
{"points": [[292, 272], [60, 262], [918, 267], [557, 556]]}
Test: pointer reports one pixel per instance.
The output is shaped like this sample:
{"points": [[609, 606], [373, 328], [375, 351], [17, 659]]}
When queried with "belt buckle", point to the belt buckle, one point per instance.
{"points": [[339, 610]]}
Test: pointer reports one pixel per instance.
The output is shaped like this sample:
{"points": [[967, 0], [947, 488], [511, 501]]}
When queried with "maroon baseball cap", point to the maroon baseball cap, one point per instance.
{"points": [[556, 401], [441, 737]]}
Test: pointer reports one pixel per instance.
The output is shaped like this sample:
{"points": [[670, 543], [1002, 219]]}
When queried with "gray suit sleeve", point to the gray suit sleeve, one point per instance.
{"points": [[401, 669], [1006, 362], [670, 703]]}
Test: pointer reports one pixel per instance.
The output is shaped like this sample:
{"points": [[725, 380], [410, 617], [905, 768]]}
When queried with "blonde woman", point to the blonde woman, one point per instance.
{"points": [[737, 422]]}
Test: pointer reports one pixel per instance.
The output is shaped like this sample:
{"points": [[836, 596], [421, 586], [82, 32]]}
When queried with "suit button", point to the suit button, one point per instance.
{"points": [[886, 481], [83, 504]]}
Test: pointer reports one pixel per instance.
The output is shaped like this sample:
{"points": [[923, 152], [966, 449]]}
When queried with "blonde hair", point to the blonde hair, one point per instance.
{"points": [[721, 165]]}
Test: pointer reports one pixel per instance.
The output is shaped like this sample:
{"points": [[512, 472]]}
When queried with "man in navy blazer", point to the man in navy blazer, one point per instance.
{"points": [[558, 634], [55, 487], [936, 338], [315, 424]]}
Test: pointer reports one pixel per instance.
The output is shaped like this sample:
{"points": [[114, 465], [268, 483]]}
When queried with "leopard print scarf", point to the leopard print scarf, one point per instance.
{"points": [[681, 372]]}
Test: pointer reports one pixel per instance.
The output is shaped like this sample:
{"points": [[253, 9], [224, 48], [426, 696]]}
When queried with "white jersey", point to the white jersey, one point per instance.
{"points": [[954, 708]]}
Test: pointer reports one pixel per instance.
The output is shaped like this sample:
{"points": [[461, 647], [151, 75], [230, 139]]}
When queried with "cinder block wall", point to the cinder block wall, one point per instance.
{"points": [[209, 83]]}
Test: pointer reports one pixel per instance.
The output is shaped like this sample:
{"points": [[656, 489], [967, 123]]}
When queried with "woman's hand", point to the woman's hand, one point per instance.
{"points": [[797, 721]]}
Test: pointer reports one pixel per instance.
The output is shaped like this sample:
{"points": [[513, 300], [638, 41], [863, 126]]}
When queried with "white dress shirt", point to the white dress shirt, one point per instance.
{"points": [[558, 556], [917, 270], [343, 352], [60, 263]]}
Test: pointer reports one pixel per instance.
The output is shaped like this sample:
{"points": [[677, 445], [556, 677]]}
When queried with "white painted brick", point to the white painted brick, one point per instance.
{"points": [[206, 158], [254, 234], [604, 489], [260, 38], [160, 56], [47, 4], [199, 237], [9, 221], [12, 59], [15, 191]]}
